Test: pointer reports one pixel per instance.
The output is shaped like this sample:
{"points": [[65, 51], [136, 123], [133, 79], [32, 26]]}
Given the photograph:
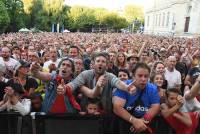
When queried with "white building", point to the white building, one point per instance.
{"points": [[169, 17]]}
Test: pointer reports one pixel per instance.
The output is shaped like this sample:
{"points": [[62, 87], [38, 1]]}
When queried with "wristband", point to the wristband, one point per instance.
{"points": [[148, 117]]}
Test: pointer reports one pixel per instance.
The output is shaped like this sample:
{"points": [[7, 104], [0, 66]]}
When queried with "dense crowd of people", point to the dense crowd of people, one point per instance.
{"points": [[135, 77]]}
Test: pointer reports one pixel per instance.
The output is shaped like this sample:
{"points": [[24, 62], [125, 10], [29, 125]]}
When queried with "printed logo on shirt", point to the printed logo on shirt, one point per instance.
{"points": [[138, 109], [141, 109]]}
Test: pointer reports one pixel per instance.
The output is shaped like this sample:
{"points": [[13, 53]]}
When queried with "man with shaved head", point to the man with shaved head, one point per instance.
{"points": [[9, 62], [172, 76]]}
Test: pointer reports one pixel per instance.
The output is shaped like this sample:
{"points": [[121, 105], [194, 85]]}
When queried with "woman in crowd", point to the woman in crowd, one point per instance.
{"points": [[121, 61]]}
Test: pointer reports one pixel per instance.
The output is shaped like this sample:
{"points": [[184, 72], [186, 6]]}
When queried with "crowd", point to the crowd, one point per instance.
{"points": [[134, 77]]}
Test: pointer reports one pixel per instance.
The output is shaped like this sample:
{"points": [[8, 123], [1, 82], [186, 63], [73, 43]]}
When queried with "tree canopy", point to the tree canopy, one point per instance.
{"points": [[41, 14]]}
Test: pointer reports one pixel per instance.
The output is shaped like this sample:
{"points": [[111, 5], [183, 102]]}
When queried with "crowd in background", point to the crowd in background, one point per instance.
{"points": [[133, 76]]}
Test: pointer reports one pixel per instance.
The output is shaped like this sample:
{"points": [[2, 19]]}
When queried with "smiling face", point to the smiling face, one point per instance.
{"points": [[123, 76], [158, 80], [160, 68]]}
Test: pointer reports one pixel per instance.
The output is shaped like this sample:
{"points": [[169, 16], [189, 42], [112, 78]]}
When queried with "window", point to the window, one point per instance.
{"points": [[167, 23]]}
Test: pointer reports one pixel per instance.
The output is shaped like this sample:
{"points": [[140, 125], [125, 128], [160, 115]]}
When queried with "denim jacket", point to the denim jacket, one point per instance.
{"points": [[50, 96]]}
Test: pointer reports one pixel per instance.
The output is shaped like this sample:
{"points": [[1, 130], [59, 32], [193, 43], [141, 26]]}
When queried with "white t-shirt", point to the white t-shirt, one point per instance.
{"points": [[173, 78], [11, 64], [47, 63], [190, 105]]}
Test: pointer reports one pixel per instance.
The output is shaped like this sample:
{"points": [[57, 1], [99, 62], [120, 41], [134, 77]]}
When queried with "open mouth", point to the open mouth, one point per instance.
{"points": [[63, 71], [100, 68]]}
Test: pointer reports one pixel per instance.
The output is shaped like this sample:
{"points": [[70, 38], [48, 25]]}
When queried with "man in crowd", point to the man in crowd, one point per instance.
{"points": [[9, 62], [172, 76], [138, 109]]}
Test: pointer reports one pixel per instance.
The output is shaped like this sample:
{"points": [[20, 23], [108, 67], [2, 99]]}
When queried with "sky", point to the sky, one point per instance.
{"points": [[109, 4]]}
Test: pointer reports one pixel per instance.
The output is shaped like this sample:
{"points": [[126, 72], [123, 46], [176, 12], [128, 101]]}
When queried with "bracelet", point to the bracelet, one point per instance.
{"points": [[130, 119]]}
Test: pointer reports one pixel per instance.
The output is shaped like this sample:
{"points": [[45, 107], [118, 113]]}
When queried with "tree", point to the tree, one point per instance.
{"points": [[4, 18], [39, 18], [27, 5], [80, 17], [114, 21], [15, 11], [100, 14], [133, 12]]}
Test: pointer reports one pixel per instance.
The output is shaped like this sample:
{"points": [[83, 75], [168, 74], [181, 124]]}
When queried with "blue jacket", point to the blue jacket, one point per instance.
{"points": [[50, 96]]}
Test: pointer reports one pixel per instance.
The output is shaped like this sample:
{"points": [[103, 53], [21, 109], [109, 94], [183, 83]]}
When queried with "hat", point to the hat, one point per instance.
{"points": [[22, 63], [2, 65], [132, 56], [16, 87]]}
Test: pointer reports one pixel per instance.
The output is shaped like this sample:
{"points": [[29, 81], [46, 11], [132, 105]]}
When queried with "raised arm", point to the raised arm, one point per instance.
{"points": [[93, 93], [142, 49], [166, 111], [194, 90], [37, 73]]}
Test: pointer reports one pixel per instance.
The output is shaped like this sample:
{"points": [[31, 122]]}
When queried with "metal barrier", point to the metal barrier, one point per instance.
{"points": [[12, 123]]}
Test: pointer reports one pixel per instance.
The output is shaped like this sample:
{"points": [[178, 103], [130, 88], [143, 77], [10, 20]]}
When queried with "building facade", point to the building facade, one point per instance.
{"points": [[173, 17]]}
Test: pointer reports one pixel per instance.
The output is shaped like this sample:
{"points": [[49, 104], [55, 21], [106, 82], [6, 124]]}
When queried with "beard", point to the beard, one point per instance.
{"points": [[100, 70]]}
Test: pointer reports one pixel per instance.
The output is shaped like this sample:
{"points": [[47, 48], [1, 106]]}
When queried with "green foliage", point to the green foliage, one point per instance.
{"points": [[4, 18], [41, 14], [80, 17], [27, 5], [114, 21], [133, 12], [15, 9]]}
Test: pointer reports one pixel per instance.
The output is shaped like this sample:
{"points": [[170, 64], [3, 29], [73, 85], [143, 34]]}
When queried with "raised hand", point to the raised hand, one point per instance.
{"points": [[132, 88], [61, 88], [35, 67], [101, 81], [52, 67], [180, 100], [9, 91]]}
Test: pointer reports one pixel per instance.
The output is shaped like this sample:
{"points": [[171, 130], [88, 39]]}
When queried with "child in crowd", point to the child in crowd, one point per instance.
{"points": [[36, 102], [92, 107], [182, 123]]}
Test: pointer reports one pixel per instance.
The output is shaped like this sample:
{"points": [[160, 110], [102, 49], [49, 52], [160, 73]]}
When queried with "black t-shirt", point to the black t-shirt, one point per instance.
{"points": [[113, 70], [30, 83], [194, 73], [2, 87]]}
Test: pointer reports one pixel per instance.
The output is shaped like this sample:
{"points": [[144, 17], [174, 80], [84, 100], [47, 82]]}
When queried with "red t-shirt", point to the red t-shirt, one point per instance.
{"points": [[181, 128], [59, 105]]}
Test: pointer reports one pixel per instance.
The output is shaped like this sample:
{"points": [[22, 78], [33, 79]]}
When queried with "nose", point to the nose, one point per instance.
{"points": [[143, 79]]}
